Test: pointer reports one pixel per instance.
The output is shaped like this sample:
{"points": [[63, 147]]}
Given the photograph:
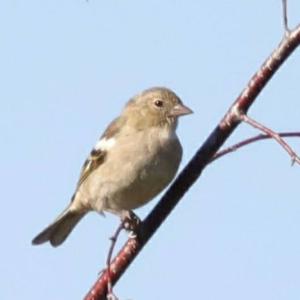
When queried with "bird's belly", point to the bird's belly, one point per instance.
{"points": [[130, 179], [150, 181]]}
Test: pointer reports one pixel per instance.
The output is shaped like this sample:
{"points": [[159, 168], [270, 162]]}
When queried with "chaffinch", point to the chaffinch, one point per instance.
{"points": [[134, 160]]}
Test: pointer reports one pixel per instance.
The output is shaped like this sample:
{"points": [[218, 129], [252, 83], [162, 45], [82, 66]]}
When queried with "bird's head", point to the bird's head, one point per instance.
{"points": [[155, 107]]}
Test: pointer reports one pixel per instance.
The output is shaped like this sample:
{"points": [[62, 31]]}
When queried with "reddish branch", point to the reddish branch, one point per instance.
{"points": [[196, 165]]}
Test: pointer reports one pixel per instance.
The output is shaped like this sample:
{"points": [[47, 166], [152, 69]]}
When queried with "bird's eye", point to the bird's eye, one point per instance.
{"points": [[158, 103]]}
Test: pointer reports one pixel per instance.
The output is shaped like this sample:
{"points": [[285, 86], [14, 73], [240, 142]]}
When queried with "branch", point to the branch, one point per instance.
{"points": [[196, 165], [273, 135], [250, 141]]}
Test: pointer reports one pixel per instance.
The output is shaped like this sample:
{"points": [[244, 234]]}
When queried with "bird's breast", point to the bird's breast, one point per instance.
{"points": [[148, 170], [136, 169]]}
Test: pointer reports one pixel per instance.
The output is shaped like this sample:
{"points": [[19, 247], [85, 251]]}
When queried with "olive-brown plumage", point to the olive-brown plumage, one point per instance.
{"points": [[135, 159]]}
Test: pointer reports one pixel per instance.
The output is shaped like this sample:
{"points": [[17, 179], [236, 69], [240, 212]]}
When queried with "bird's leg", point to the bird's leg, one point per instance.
{"points": [[131, 222]]}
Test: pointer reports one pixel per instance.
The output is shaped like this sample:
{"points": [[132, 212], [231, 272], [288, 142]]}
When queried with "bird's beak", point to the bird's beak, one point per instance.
{"points": [[180, 110]]}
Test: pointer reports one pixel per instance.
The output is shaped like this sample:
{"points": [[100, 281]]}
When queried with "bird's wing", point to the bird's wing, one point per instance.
{"points": [[99, 152], [95, 159]]}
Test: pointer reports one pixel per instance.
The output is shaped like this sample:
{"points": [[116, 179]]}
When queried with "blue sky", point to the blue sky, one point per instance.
{"points": [[68, 67]]}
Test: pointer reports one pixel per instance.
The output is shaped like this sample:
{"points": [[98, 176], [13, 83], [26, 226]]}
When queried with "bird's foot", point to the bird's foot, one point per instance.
{"points": [[131, 222]]}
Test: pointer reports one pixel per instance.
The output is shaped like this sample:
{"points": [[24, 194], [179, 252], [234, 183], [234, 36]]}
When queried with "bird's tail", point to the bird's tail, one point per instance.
{"points": [[58, 231]]}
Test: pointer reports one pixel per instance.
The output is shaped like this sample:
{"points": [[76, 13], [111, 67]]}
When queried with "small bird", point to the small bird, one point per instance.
{"points": [[134, 160]]}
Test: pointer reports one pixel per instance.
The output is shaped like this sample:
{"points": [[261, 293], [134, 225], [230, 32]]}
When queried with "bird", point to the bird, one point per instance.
{"points": [[137, 156]]}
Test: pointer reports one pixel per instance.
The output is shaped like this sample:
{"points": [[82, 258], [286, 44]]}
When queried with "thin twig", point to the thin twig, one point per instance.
{"points": [[249, 141], [114, 238], [272, 134], [285, 17]]}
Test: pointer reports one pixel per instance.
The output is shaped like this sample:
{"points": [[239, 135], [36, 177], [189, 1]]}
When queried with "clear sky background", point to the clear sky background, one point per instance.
{"points": [[67, 68]]}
